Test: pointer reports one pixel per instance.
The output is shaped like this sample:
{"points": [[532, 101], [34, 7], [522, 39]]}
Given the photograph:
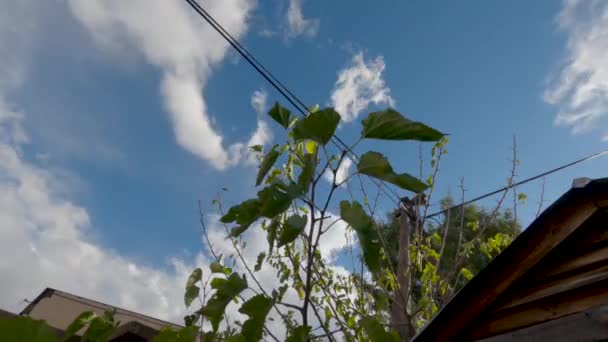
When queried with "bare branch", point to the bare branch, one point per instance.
{"points": [[542, 198]]}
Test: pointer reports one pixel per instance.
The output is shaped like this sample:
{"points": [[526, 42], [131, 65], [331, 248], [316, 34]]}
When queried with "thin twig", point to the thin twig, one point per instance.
{"points": [[542, 198]]}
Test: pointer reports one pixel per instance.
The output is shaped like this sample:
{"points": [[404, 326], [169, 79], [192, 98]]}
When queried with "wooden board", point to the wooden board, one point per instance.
{"points": [[542, 310], [586, 326]]}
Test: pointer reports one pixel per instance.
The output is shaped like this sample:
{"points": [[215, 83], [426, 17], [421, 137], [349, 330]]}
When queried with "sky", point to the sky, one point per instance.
{"points": [[117, 117]]}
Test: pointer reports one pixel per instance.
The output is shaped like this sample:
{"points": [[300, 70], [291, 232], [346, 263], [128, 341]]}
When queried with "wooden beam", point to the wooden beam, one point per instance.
{"points": [[539, 311], [552, 227], [570, 281], [589, 325]]}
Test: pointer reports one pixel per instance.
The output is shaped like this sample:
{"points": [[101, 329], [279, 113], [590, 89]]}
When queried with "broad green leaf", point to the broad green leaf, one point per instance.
{"points": [[257, 309], [356, 217], [375, 332], [466, 273], [80, 322], [243, 214], [259, 261], [256, 148], [318, 126], [280, 114], [195, 277], [376, 165], [299, 334], [191, 293], [273, 228], [269, 159], [25, 329], [311, 146], [99, 329], [274, 200], [391, 125], [216, 267], [522, 197], [308, 171], [190, 320], [292, 228], [225, 291], [187, 334], [192, 290]]}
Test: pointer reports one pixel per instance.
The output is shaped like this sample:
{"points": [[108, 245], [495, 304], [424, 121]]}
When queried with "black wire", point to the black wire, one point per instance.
{"points": [[595, 155], [280, 87], [303, 109]]}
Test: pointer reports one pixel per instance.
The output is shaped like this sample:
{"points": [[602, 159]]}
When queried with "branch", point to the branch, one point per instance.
{"points": [[542, 199]]}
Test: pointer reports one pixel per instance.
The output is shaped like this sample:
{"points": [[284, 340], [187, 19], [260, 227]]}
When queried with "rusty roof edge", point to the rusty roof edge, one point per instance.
{"points": [[47, 292], [594, 188]]}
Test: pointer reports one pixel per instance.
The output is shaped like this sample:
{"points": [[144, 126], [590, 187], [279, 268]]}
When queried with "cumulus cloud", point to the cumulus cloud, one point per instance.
{"points": [[360, 84], [259, 101], [580, 90], [297, 25], [168, 35], [342, 172], [47, 234]]}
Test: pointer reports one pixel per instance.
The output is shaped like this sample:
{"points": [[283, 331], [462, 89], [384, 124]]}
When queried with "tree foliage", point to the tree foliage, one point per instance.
{"points": [[293, 208]]}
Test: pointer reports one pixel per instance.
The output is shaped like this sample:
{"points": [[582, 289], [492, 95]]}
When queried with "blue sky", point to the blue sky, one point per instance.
{"points": [[130, 115]]}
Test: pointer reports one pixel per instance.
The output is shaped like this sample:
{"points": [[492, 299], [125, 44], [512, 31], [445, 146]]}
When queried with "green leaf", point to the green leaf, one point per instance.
{"points": [[274, 200], [468, 275], [280, 114], [256, 148], [80, 322], [191, 293], [318, 126], [376, 165], [25, 329], [190, 320], [299, 334], [226, 290], [192, 290], [356, 217], [187, 334], [292, 228], [308, 171], [257, 309], [391, 125], [216, 267], [311, 146], [522, 197], [269, 159], [243, 214], [375, 332], [99, 329], [273, 227], [259, 261]]}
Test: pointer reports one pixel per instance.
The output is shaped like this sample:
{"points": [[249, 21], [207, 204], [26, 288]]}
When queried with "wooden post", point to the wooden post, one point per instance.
{"points": [[399, 316]]}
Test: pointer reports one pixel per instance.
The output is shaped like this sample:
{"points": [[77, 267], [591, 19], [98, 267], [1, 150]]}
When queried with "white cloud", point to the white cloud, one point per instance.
{"points": [[580, 91], [171, 36], [358, 85], [342, 172], [46, 233], [259, 101], [297, 25]]}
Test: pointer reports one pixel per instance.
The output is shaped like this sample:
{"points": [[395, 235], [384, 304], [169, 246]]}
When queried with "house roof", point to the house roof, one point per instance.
{"points": [[557, 267], [7, 314], [48, 292]]}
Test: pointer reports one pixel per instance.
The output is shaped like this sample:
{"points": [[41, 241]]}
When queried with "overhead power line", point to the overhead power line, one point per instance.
{"points": [[508, 187], [304, 111], [278, 85]]}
